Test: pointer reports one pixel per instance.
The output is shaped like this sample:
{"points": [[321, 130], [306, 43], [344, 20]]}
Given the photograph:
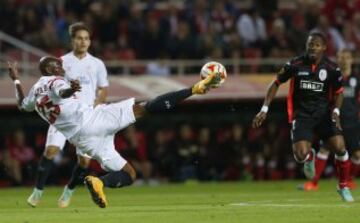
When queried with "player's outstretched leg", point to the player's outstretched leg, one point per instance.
{"points": [[42, 175], [77, 177], [116, 179]]}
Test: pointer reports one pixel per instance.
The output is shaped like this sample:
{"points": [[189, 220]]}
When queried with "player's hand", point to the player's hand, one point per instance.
{"points": [[75, 85], [259, 119], [13, 70], [336, 118]]}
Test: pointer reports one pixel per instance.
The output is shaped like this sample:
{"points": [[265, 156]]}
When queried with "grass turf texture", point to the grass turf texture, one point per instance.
{"points": [[195, 202]]}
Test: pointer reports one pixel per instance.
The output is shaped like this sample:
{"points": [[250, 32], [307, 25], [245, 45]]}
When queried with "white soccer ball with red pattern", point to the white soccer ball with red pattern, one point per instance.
{"points": [[212, 67]]}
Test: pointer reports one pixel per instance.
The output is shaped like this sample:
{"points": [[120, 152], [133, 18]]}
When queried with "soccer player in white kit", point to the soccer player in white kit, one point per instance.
{"points": [[91, 129], [92, 74]]}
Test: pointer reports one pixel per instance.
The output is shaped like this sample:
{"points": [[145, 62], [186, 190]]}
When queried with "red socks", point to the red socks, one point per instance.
{"points": [[320, 164], [343, 164]]}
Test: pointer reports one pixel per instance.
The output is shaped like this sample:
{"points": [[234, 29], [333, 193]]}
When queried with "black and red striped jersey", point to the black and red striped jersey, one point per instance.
{"points": [[311, 86], [350, 108]]}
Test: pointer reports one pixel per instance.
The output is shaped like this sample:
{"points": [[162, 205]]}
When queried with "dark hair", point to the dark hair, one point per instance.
{"points": [[319, 35], [345, 50], [44, 62], [73, 28]]}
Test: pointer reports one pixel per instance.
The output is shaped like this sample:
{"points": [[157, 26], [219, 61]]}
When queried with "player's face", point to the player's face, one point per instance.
{"points": [[55, 67], [81, 41], [315, 47], [344, 60]]}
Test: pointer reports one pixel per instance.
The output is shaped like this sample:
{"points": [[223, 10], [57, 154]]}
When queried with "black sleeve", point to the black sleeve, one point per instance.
{"points": [[337, 81], [285, 73]]}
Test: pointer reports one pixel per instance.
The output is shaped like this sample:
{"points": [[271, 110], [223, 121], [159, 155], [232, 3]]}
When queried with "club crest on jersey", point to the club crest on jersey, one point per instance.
{"points": [[353, 82], [311, 85], [322, 74]]}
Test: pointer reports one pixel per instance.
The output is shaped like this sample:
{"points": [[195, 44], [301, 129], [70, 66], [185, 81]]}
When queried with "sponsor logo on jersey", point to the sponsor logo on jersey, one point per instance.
{"points": [[311, 85], [303, 73], [322, 74]]}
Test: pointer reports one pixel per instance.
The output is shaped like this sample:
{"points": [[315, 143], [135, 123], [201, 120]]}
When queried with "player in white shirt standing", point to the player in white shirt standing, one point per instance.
{"points": [[92, 75], [92, 130]]}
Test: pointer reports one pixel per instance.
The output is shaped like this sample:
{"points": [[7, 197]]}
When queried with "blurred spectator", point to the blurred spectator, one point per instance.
{"points": [[159, 67], [163, 155], [355, 26], [279, 44], [182, 45], [132, 145], [19, 158], [335, 40], [338, 12], [187, 153], [251, 28], [298, 33]]}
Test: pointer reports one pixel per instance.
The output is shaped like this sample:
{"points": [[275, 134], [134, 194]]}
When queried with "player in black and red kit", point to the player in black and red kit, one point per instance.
{"points": [[349, 121], [314, 80]]}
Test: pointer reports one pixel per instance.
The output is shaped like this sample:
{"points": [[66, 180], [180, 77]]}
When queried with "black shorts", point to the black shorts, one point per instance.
{"points": [[352, 138], [304, 128]]}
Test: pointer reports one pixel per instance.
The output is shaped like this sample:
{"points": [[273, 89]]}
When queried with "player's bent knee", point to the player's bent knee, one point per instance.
{"points": [[83, 162], [130, 170], [51, 151], [300, 155]]}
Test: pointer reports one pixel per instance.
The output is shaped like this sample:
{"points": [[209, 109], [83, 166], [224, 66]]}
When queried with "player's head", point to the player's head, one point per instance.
{"points": [[344, 59], [49, 65], [80, 37], [315, 45]]}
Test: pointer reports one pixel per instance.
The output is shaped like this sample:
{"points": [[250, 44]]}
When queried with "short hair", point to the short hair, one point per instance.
{"points": [[319, 35], [44, 61], [75, 27], [345, 50]]}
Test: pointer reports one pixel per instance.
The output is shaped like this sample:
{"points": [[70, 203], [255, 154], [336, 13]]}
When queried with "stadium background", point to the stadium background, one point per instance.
{"points": [[151, 47]]}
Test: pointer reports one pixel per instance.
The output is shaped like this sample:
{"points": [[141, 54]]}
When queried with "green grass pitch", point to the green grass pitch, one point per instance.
{"points": [[195, 202]]}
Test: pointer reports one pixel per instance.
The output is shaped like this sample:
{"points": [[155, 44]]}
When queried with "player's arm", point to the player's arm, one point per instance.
{"points": [[69, 91], [14, 75], [101, 95], [338, 98], [284, 74], [103, 83]]}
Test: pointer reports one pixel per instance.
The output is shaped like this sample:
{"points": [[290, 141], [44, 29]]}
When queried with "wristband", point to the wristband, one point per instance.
{"points": [[336, 111], [16, 82], [264, 108]]}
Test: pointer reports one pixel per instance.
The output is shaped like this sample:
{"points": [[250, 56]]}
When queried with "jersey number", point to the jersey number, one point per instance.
{"points": [[48, 109]]}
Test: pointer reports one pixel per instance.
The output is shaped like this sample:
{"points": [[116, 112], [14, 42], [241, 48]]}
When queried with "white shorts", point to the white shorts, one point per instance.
{"points": [[96, 137], [56, 138]]}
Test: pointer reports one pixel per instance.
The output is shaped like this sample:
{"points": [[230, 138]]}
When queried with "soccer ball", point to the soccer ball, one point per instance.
{"points": [[212, 67]]}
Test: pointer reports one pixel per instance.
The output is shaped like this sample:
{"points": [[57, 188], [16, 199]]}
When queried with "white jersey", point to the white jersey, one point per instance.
{"points": [[91, 73], [67, 115]]}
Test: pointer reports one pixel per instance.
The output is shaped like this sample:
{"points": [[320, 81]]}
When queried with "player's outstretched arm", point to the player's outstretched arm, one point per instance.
{"points": [[14, 75], [270, 94], [68, 92]]}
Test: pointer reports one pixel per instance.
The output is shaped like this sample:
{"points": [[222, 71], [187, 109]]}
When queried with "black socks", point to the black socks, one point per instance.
{"points": [[167, 101], [77, 176], [43, 171], [117, 179]]}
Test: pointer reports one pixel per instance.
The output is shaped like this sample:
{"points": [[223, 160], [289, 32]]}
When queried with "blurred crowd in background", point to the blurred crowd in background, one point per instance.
{"points": [[187, 151], [232, 152], [184, 29]]}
